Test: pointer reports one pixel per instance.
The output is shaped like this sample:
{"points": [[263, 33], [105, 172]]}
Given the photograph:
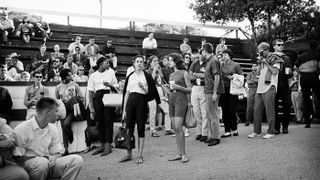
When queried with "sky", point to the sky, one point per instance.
{"points": [[164, 10]]}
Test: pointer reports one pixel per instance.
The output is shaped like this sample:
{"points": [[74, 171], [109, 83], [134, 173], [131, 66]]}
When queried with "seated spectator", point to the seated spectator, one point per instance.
{"points": [[27, 30], [8, 169], [38, 148], [185, 47], [70, 64], [53, 74], [6, 26], [57, 54], [222, 46], [79, 58], [91, 49], [24, 76], [5, 104], [149, 46], [12, 70], [72, 46], [16, 62], [43, 59], [4, 73], [34, 66], [70, 94], [110, 50], [79, 76], [33, 93], [44, 30]]}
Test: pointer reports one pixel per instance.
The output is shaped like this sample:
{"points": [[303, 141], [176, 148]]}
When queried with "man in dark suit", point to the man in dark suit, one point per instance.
{"points": [[80, 58]]}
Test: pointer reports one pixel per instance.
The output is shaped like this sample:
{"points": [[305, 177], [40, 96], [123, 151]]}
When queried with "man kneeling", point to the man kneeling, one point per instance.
{"points": [[38, 148]]}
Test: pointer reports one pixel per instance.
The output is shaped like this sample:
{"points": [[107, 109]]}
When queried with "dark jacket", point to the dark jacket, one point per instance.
{"points": [[152, 89]]}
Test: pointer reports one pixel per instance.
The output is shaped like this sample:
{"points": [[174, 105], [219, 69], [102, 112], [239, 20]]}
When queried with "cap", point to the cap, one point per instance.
{"points": [[12, 55]]}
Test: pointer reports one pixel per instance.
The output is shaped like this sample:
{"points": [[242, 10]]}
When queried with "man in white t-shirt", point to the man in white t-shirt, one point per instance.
{"points": [[149, 46], [72, 46], [266, 91]]}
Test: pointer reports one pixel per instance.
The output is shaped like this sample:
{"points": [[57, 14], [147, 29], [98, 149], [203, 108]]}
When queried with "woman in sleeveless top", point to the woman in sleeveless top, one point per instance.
{"points": [[180, 88]]}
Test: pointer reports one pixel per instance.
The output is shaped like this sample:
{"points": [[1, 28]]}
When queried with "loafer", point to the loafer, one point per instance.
{"points": [[198, 137], [203, 138], [175, 158], [214, 142], [276, 131], [208, 140], [227, 134], [125, 159], [168, 132], [285, 131]]}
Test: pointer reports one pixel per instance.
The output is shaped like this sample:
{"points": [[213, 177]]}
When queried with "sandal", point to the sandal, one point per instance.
{"points": [[176, 158], [140, 160], [125, 159]]}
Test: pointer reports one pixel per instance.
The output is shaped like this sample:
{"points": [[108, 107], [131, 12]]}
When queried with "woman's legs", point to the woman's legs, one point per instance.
{"points": [[180, 139]]}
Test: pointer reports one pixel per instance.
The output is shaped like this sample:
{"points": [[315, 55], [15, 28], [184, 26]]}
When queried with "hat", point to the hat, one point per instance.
{"points": [[229, 52], [100, 60], [12, 55]]}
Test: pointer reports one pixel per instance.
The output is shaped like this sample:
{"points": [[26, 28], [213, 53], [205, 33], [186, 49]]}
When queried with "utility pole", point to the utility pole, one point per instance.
{"points": [[100, 13]]}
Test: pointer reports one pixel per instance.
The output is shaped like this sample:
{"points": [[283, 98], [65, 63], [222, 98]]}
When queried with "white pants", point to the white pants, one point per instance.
{"points": [[198, 101], [152, 114]]}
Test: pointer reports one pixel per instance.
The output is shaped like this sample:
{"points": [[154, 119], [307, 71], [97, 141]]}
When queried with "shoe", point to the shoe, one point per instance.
{"points": [[125, 159], [184, 159], [99, 150], [168, 132], [285, 131], [174, 135], [107, 150], [252, 135], [186, 134], [140, 160], [307, 126], [203, 138], [276, 131], [214, 142], [175, 158], [235, 133], [208, 140], [227, 134], [155, 134], [198, 138], [246, 124], [268, 136]]}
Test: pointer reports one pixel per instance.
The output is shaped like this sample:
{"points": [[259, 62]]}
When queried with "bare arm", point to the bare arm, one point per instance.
{"points": [[126, 96], [91, 107]]}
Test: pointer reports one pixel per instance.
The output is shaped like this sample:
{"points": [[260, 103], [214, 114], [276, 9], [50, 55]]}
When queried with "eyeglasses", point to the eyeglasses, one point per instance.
{"points": [[81, 69], [38, 76], [279, 44]]}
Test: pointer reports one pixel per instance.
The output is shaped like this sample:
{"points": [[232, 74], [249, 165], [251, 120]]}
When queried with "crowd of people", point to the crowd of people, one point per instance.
{"points": [[158, 90]]}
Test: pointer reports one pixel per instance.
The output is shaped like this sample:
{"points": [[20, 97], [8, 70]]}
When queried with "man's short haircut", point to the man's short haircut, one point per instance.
{"points": [[37, 72], [208, 48], [264, 46], [313, 44], [138, 56], [277, 40], [45, 103], [222, 39], [64, 73], [100, 61]]}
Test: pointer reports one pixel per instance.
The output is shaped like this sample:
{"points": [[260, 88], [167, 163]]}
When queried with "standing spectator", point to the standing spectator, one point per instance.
{"points": [[70, 64], [4, 74], [6, 26], [5, 103], [33, 93], [166, 69], [185, 47], [180, 86], [91, 49], [8, 169], [70, 94], [308, 65], [43, 59], [203, 42], [16, 62], [110, 50], [44, 30], [39, 149], [72, 46], [222, 46], [54, 72], [252, 81], [149, 46], [102, 82], [27, 30], [229, 101], [283, 91], [198, 99], [79, 76], [139, 88], [57, 54], [296, 96], [213, 89], [266, 91]]}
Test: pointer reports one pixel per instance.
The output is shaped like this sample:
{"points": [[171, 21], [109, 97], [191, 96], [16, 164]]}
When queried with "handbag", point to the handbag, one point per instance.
{"points": [[191, 121], [123, 140], [112, 99], [91, 135]]}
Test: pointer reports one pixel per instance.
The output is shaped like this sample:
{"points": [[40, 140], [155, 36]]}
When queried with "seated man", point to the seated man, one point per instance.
{"points": [[4, 73], [81, 59], [70, 64], [44, 30], [149, 46], [38, 148], [12, 70], [91, 49], [33, 93], [43, 59], [57, 54], [53, 74], [25, 29], [16, 62], [6, 26], [8, 169], [110, 50], [72, 46]]}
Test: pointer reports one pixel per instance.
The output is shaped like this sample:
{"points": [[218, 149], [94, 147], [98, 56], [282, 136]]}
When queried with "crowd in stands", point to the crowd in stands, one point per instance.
{"points": [[207, 79]]}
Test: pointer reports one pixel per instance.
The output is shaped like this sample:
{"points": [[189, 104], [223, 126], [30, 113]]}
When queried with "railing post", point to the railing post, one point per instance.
{"points": [[68, 20], [237, 35]]}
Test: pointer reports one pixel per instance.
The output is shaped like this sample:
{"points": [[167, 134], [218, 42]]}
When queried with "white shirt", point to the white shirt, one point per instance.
{"points": [[33, 141], [133, 81], [97, 78], [129, 70], [262, 86], [149, 44], [20, 65], [72, 47]]}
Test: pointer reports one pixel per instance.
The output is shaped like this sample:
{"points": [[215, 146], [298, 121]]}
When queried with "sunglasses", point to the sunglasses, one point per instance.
{"points": [[38, 76], [81, 69], [280, 44]]}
